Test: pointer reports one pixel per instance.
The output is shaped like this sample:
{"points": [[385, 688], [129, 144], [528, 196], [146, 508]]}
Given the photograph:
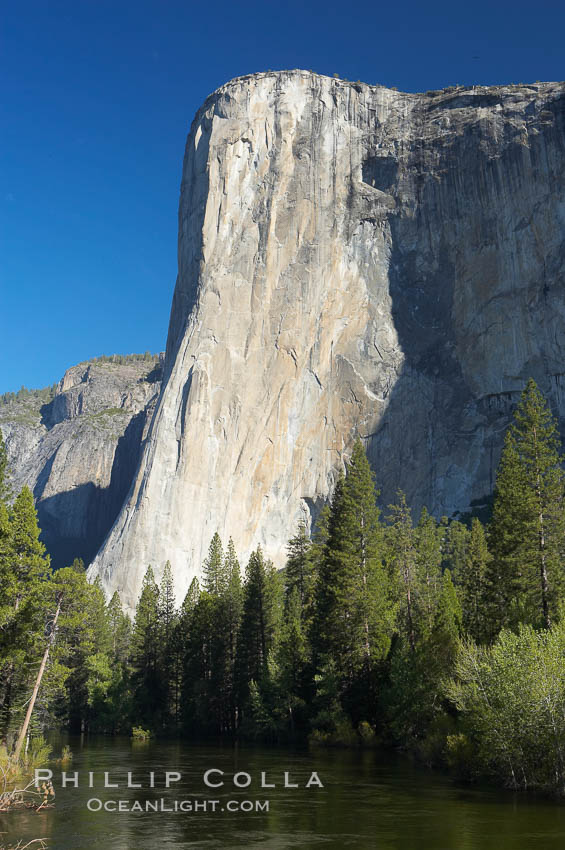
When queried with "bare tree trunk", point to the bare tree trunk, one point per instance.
{"points": [[410, 622], [543, 576], [7, 700], [542, 547], [23, 730], [367, 647]]}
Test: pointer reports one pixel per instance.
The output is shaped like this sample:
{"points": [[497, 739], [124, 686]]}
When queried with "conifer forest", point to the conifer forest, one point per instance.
{"points": [[439, 636]]}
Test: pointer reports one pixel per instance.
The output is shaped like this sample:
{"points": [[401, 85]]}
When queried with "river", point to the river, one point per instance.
{"points": [[368, 800]]}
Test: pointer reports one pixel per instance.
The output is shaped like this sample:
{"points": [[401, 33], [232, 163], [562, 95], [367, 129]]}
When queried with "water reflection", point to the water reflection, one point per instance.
{"points": [[369, 800]]}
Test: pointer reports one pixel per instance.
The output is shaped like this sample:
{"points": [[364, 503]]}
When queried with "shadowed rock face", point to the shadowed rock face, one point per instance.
{"points": [[79, 453], [352, 260]]}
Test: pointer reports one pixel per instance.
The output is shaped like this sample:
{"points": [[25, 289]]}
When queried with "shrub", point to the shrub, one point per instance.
{"points": [[460, 754], [366, 734], [140, 734], [512, 700], [66, 756]]}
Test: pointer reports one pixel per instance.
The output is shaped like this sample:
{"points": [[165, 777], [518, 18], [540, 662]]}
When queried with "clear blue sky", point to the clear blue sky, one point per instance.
{"points": [[99, 96]]}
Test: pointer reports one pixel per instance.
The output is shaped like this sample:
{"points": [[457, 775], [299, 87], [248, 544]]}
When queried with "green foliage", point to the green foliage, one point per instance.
{"points": [[258, 721], [331, 724], [473, 578], [214, 578], [30, 561], [460, 754], [41, 396], [138, 733], [512, 699], [454, 546], [373, 633], [447, 628], [168, 651], [78, 678], [147, 679], [38, 397], [299, 571], [231, 612], [208, 637], [37, 754], [120, 629], [402, 561], [190, 600], [292, 667], [73, 688], [146, 357], [167, 612], [353, 620], [427, 541], [262, 599], [409, 698], [24, 603], [66, 755], [200, 708], [525, 577]]}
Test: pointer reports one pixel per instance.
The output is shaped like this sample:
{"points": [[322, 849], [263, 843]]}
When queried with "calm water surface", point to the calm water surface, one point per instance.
{"points": [[368, 801]]}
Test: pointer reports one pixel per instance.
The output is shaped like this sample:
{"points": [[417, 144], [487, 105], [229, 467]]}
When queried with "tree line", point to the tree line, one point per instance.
{"points": [[44, 395], [443, 637], [47, 394]]}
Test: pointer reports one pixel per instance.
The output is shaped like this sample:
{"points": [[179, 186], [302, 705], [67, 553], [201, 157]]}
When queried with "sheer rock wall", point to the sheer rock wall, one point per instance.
{"points": [[352, 260]]}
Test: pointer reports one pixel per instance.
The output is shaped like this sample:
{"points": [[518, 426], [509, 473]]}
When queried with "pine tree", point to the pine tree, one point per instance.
{"points": [[231, 612], [25, 572], [148, 692], [292, 658], [7, 573], [98, 614], [166, 605], [167, 660], [473, 584], [317, 554], [39, 650], [7, 577], [190, 600], [526, 532], [320, 539], [69, 659], [299, 568], [353, 620], [412, 697], [261, 614], [116, 700], [201, 711], [120, 629], [31, 564], [402, 557], [211, 627], [83, 634], [181, 649], [455, 543], [427, 539], [213, 569], [448, 621]]}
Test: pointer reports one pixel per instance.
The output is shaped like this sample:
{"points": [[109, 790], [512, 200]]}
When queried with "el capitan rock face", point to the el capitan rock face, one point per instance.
{"points": [[352, 260]]}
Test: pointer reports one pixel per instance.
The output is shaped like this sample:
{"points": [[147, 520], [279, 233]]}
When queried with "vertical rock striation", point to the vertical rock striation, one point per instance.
{"points": [[352, 260], [79, 452]]}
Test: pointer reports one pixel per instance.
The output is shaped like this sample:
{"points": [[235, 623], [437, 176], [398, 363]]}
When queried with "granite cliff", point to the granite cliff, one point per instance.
{"points": [[352, 260], [78, 448]]}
